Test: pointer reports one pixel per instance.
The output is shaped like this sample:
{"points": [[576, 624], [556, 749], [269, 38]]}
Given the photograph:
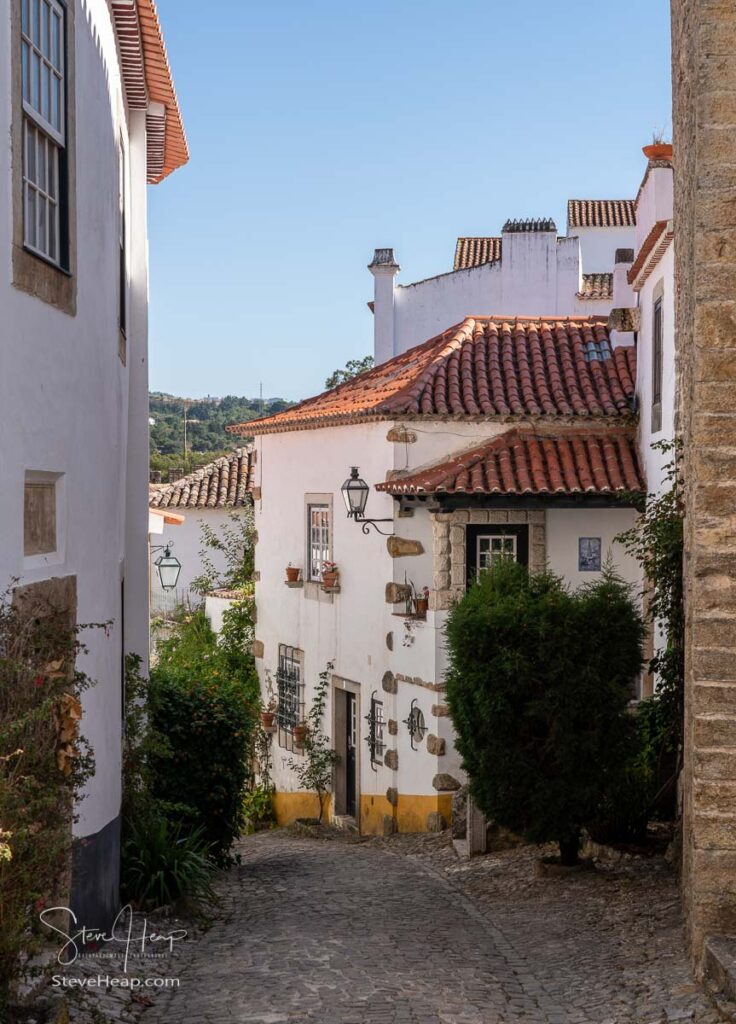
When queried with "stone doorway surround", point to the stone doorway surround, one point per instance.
{"points": [[449, 546]]}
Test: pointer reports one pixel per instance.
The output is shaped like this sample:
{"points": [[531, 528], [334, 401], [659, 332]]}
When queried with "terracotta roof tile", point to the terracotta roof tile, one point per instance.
{"points": [[653, 248], [224, 483], [596, 286], [485, 367], [527, 462], [474, 252], [601, 213]]}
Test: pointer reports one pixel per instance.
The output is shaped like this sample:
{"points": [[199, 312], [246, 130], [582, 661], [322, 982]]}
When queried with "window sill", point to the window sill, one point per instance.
{"points": [[330, 590], [294, 584], [414, 616], [45, 259]]}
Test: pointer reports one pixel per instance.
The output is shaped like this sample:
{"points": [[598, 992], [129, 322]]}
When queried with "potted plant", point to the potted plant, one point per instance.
{"points": [[421, 604], [268, 713], [300, 733], [658, 148], [330, 575], [292, 573]]}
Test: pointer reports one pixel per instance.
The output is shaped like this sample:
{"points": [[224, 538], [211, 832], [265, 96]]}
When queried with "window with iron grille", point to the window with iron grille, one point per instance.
{"points": [[318, 539], [289, 678], [375, 737], [657, 366], [44, 128]]}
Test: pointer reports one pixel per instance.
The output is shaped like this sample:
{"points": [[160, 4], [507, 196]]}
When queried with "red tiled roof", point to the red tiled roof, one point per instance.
{"points": [[474, 252], [601, 213], [223, 483], [485, 367], [651, 252], [596, 286], [147, 76], [526, 462]]}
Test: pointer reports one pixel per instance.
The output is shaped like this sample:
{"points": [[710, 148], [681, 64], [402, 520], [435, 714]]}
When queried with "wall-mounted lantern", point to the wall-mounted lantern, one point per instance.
{"points": [[167, 566], [355, 495]]}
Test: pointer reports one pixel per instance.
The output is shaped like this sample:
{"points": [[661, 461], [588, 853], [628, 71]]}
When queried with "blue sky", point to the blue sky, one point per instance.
{"points": [[320, 130]]}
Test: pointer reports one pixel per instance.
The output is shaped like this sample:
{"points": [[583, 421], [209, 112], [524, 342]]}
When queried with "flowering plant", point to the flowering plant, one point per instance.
{"points": [[329, 567]]}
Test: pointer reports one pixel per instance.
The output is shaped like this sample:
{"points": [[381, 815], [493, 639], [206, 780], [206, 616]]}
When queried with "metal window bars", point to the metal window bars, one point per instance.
{"points": [[290, 694], [375, 736]]}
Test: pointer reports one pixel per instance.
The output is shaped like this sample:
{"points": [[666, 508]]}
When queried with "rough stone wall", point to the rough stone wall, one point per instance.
{"points": [[704, 120]]}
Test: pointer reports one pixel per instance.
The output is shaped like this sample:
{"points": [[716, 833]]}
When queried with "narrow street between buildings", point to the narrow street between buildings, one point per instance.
{"points": [[338, 930]]}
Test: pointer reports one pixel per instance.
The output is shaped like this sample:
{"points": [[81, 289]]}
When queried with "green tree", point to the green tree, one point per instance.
{"points": [[352, 368], [315, 769], [538, 688]]}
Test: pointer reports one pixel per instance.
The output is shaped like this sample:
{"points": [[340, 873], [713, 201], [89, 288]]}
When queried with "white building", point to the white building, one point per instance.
{"points": [[528, 271], [206, 497], [88, 115], [497, 434]]}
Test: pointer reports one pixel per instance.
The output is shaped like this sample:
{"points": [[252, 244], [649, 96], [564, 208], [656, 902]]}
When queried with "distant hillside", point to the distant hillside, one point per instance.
{"points": [[206, 419]]}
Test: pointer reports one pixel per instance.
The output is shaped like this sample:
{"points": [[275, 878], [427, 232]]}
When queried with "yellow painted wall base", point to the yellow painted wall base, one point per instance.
{"points": [[409, 815], [287, 807]]}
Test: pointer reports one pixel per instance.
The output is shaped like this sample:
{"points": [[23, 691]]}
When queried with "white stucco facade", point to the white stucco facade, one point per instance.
{"points": [[74, 397]]}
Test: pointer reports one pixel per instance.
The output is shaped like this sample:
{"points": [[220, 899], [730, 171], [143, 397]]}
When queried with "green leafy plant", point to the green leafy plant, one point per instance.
{"points": [[656, 542], [233, 546], [164, 862], [315, 769], [258, 807], [353, 367], [207, 707], [538, 687], [44, 763]]}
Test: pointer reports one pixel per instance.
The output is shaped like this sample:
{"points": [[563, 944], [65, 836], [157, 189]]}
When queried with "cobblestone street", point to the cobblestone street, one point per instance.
{"points": [[400, 930]]}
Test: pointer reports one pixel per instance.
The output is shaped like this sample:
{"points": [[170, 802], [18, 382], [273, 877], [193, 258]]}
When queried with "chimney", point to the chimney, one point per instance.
{"points": [[384, 268], [623, 321], [529, 267]]}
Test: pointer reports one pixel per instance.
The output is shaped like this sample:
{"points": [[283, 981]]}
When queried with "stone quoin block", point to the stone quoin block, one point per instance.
{"points": [[624, 320], [401, 547], [389, 683], [255, 493], [257, 648], [435, 745], [435, 822], [389, 824], [400, 435], [397, 592], [440, 710], [391, 759], [393, 727], [392, 795], [445, 783], [390, 641]]}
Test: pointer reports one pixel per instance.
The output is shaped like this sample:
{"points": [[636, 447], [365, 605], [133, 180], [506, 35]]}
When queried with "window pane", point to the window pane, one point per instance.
{"points": [[56, 40], [35, 79], [35, 31], [45, 48], [25, 60], [24, 17], [41, 175], [52, 171], [42, 209], [55, 94], [31, 217], [53, 231], [30, 153], [45, 90]]}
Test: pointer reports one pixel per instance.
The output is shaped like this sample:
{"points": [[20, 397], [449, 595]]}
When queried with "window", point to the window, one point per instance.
{"points": [[290, 693], [44, 133], [39, 518], [122, 257], [318, 533], [491, 548], [375, 737], [657, 366]]}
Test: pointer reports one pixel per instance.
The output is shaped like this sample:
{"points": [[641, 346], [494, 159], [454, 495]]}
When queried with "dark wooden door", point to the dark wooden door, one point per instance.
{"points": [[351, 742]]}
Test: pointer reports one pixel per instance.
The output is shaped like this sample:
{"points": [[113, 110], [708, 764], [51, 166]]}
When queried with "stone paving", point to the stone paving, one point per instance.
{"points": [[398, 931]]}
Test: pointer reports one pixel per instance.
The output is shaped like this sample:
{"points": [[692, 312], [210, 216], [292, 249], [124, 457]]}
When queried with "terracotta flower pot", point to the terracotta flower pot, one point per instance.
{"points": [[421, 605], [329, 579], [267, 718], [300, 734], [292, 574], [658, 151]]}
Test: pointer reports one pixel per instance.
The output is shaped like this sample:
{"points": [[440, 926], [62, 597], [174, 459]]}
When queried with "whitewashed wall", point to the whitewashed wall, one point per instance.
{"points": [[187, 544], [65, 396]]}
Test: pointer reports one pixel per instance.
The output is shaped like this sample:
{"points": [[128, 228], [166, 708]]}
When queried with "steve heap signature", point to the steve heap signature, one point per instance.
{"points": [[121, 932]]}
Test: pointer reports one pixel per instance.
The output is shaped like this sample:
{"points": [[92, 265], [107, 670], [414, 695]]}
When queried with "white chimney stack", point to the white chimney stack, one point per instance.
{"points": [[623, 320], [384, 269]]}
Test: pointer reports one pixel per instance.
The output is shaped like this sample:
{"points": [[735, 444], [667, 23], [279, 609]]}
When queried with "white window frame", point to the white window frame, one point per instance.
{"points": [[43, 58], [504, 538], [322, 545]]}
